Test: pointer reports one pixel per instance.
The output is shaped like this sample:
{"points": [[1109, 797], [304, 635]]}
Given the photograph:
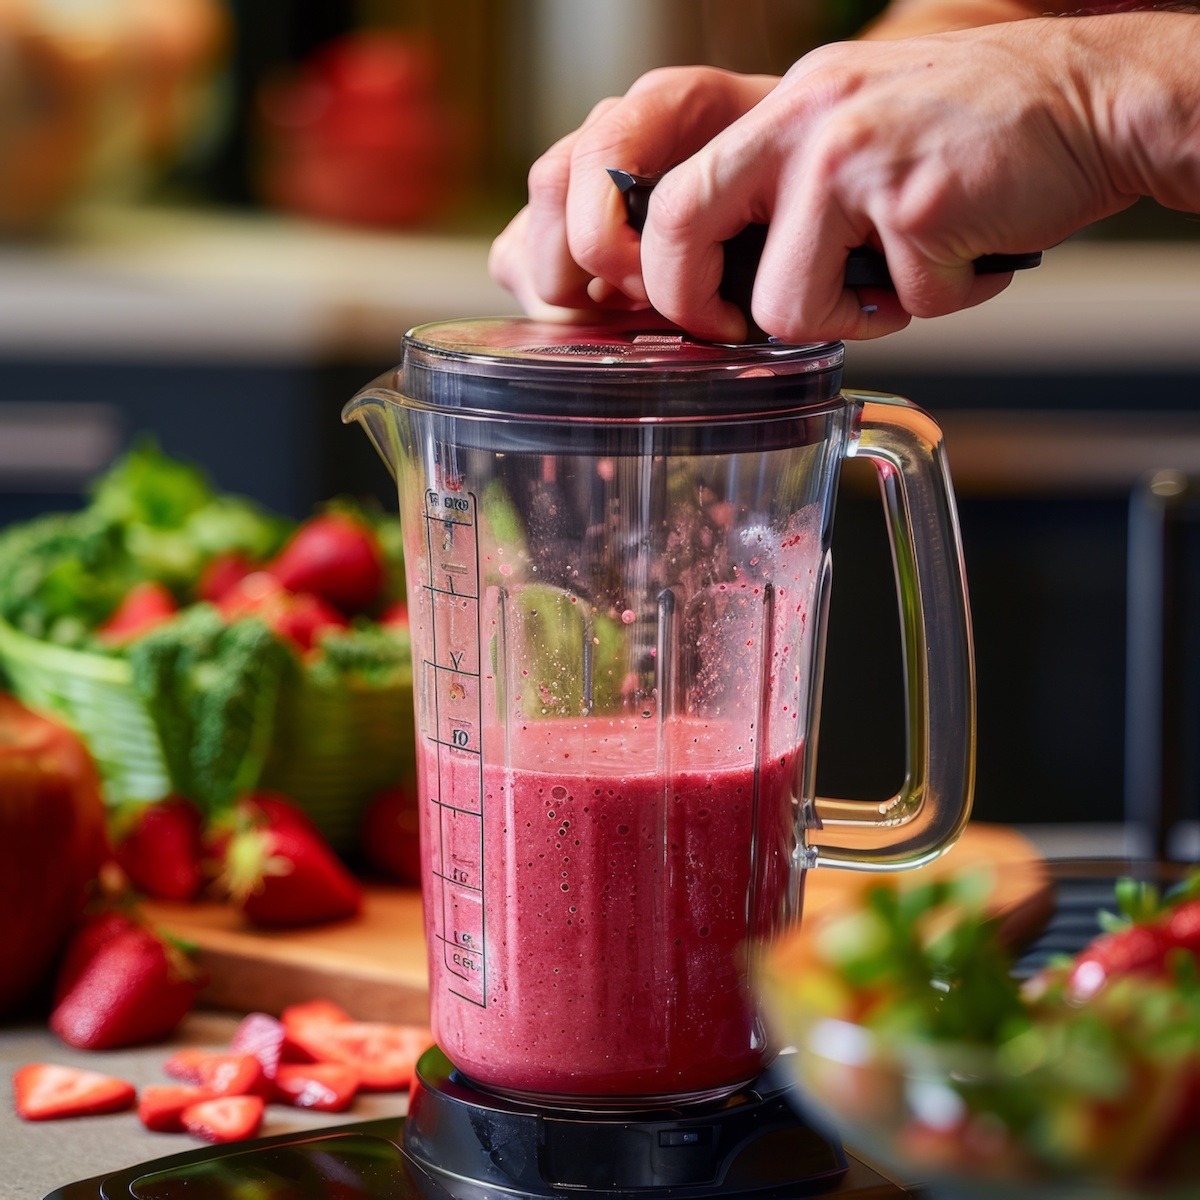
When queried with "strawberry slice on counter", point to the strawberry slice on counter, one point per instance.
{"points": [[160, 847], [232, 1074], [133, 987], [313, 1012], [160, 1106], [334, 556], [46, 1091], [144, 607], [383, 1055], [224, 1119], [326, 1087], [263, 1036], [184, 1065], [280, 870]]}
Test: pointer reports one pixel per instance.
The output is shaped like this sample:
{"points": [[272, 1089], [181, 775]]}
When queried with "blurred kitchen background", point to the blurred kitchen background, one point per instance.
{"points": [[220, 217]]}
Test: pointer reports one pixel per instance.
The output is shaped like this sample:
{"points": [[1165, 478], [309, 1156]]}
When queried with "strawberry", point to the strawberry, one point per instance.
{"points": [[336, 557], [145, 606], [281, 871], [383, 1055], [395, 616], [327, 1087], [232, 1074], [222, 573], [263, 1036], [299, 617], [45, 1091], [389, 834], [224, 1119], [135, 987], [160, 1106], [86, 941], [1144, 941], [160, 847]]}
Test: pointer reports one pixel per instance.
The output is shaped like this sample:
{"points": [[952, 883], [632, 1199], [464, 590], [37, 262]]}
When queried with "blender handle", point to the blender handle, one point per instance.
{"points": [[930, 810]]}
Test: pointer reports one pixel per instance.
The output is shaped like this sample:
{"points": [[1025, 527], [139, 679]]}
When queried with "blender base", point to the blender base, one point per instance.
{"points": [[752, 1143]]}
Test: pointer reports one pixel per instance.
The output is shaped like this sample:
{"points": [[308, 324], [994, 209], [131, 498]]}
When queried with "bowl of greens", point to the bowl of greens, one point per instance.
{"points": [[916, 1042], [205, 647]]}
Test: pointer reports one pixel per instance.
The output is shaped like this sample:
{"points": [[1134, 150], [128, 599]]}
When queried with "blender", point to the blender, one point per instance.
{"points": [[617, 545]]}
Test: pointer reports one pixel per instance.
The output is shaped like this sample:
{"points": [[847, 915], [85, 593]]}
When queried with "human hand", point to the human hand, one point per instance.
{"points": [[934, 149]]}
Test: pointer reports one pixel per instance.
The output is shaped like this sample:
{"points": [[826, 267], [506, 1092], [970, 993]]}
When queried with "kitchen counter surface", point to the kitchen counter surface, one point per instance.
{"points": [[152, 284]]}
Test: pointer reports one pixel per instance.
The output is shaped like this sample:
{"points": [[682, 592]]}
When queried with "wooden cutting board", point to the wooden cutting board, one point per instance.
{"points": [[374, 965]]}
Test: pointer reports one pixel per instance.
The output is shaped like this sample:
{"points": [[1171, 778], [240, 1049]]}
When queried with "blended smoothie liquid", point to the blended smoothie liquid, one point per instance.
{"points": [[592, 894]]}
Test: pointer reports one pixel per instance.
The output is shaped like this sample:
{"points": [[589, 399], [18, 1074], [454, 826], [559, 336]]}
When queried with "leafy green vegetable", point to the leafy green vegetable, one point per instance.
{"points": [[62, 574], [147, 487], [375, 654], [212, 690]]}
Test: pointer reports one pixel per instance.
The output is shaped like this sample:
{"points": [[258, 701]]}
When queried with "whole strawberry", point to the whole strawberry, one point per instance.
{"points": [[123, 986], [336, 557], [160, 848], [279, 869], [144, 607]]}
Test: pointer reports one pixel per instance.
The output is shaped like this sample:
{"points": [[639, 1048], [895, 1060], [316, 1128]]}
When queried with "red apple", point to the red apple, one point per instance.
{"points": [[52, 844]]}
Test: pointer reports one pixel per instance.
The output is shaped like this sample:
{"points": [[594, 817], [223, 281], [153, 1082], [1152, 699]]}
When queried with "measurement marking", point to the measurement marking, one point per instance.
{"points": [[452, 670], [458, 883], [468, 999], [438, 591], [460, 945]]}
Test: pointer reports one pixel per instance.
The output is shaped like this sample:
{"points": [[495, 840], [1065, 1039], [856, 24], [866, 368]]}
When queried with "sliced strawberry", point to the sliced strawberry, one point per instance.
{"points": [[160, 847], [263, 1036], [184, 1065], [280, 870], [225, 1119], [313, 1012], [144, 607], [134, 988], [46, 1091], [336, 557], [384, 1055], [161, 1106], [232, 1075], [327, 1087]]}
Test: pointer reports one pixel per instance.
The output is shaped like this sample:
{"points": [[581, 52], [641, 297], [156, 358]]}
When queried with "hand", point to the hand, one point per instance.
{"points": [[569, 253], [935, 149]]}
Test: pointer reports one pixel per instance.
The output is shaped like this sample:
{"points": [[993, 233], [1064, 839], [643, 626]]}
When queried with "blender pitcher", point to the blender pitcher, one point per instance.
{"points": [[618, 553]]}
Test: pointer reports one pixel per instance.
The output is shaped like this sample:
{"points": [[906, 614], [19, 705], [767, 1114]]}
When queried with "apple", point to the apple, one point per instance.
{"points": [[52, 844]]}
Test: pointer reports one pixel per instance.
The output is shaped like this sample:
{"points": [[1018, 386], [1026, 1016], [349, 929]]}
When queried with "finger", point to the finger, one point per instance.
{"points": [[934, 282], [665, 117], [508, 263]]}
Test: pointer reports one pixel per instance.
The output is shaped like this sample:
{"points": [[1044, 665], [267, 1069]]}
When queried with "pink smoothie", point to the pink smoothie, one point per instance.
{"points": [[600, 950]]}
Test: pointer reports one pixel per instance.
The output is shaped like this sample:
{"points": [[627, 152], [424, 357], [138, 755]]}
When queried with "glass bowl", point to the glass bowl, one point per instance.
{"points": [[1067, 1109]]}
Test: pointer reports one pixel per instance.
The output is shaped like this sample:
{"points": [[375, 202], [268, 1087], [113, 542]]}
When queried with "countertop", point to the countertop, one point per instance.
{"points": [[159, 283]]}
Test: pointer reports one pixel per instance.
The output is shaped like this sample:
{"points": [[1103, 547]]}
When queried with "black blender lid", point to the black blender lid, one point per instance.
{"points": [[635, 368]]}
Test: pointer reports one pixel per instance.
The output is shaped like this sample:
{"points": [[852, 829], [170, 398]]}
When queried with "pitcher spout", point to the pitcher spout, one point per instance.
{"points": [[373, 408]]}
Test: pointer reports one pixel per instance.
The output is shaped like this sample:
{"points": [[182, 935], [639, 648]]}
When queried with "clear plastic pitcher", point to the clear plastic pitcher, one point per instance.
{"points": [[618, 556]]}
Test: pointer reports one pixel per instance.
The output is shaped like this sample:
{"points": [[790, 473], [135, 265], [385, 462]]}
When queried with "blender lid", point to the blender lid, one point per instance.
{"points": [[637, 367]]}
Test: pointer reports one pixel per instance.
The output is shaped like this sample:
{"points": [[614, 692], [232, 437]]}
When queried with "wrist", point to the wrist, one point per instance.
{"points": [[1144, 101]]}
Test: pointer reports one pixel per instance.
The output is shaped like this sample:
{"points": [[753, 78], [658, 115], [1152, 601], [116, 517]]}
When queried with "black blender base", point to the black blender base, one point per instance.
{"points": [[751, 1144], [460, 1143]]}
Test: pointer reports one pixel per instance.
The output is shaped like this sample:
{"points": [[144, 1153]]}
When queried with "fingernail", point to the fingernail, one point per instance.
{"points": [[869, 309]]}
